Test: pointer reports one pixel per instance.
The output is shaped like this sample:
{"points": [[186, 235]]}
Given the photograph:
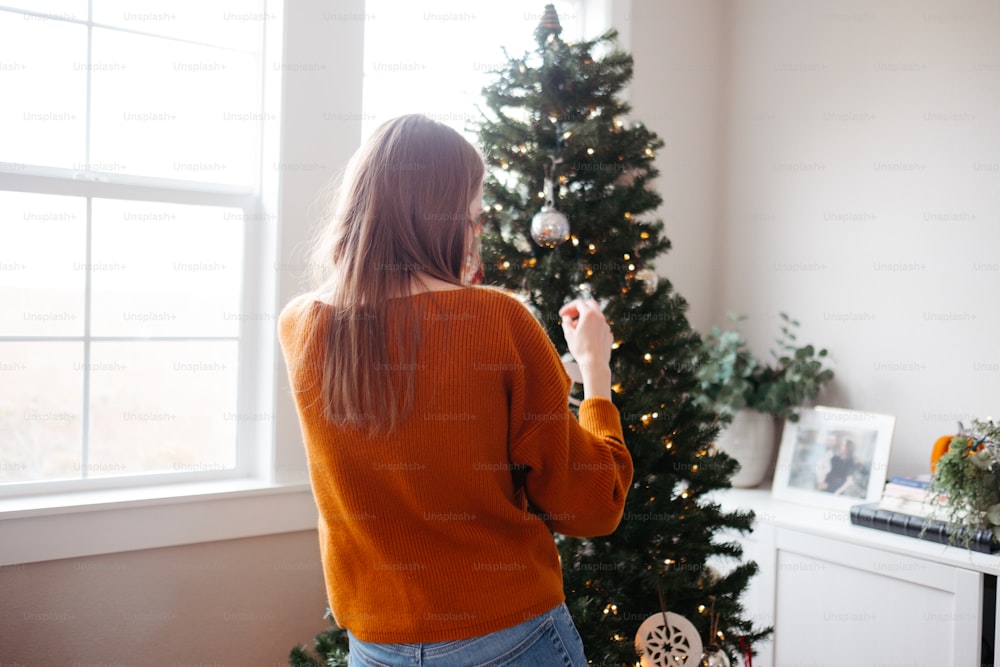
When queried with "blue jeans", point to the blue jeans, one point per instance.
{"points": [[548, 640]]}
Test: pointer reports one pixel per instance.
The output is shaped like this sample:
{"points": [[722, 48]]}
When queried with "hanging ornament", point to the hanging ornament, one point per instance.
{"points": [[549, 227], [709, 577], [747, 651], [714, 657], [627, 177], [648, 278], [667, 639]]}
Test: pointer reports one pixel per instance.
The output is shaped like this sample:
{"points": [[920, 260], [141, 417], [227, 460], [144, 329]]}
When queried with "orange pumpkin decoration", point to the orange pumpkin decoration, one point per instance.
{"points": [[940, 449]]}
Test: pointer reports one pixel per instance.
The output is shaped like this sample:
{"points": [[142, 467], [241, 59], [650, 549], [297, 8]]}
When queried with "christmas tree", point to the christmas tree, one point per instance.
{"points": [[568, 194]]}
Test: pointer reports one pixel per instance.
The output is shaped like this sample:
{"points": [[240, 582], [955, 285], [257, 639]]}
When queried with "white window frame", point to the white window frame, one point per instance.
{"points": [[88, 186], [268, 491]]}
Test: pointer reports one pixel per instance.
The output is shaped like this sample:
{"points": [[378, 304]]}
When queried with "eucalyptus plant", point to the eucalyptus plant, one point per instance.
{"points": [[967, 480], [731, 378]]}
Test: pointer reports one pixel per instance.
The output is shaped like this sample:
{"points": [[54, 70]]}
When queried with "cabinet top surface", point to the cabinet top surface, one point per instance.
{"points": [[836, 524]]}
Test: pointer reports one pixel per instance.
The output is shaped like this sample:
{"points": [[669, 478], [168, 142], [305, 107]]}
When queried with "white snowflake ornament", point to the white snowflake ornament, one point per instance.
{"points": [[667, 639]]}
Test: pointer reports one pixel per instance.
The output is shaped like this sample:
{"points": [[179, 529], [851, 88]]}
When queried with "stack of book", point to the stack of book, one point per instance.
{"points": [[910, 494], [907, 509]]}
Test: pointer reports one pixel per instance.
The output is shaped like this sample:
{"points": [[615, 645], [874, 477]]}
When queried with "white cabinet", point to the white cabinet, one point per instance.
{"points": [[840, 595]]}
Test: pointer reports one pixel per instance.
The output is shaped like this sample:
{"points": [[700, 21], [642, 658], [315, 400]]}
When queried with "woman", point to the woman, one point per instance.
{"points": [[441, 449]]}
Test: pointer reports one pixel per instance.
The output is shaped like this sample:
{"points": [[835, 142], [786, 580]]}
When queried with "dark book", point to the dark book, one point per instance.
{"points": [[870, 515]]}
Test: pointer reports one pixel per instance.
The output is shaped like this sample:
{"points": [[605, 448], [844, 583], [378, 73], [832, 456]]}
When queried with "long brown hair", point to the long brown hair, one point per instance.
{"points": [[402, 211]]}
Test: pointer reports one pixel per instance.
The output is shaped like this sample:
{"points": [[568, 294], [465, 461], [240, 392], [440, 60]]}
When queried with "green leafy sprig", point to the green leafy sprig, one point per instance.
{"points": [[731, 378]]}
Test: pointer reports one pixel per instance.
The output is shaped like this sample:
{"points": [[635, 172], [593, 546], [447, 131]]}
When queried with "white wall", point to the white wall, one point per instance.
{"points": [[862, 195], [677, 91], [840, 162]]}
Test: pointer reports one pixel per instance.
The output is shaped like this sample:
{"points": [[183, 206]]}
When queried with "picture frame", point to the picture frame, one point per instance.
{"points": [[833, 457]]}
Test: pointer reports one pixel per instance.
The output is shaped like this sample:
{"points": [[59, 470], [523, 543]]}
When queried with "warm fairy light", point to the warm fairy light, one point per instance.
{"points": [[719, 634], [649, 152], [668, 562], [667, 443], [701, 609], [563, 179], [694, 468], [618, 123], [631, 267], [589, 273], [567, 134], [615, 345], [645, 420], [541, 195], [618, 637], [575, 240], [617, 387], [504, 165], [648, 357], [684, 494], [532, 261], [497, 207], [626, 255], [506, 265], [592, 248], [628, 216], [644, 235], [590, 151]]}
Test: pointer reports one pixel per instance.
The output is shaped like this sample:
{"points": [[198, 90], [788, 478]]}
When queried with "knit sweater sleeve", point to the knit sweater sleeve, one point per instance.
{"points": [[577, 473]]}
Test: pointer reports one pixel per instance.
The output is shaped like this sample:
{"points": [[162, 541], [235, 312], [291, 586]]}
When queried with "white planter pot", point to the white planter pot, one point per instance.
{"points": [[750, 440]]}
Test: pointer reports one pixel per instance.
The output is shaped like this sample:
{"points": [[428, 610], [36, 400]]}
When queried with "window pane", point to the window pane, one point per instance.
{"points": [[174, 110], [232, 23], [50, 9], [162, 407], [41, 399], [165, 269], [42, 264], [43, 88]]}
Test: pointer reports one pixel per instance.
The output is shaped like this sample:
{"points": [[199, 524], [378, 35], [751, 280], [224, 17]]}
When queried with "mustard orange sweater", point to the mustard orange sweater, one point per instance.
{"points": [[423, 535]]}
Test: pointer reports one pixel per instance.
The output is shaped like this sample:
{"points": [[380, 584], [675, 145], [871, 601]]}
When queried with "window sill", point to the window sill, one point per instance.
{"points": [[74, 525]]}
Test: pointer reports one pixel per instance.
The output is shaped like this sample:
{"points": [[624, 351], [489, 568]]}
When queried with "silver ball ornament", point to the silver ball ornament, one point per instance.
{"points": [[549, 227]]}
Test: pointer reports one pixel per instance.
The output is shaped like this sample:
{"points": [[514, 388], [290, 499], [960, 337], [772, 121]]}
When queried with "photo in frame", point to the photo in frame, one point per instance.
{"points": [[833, 457]]}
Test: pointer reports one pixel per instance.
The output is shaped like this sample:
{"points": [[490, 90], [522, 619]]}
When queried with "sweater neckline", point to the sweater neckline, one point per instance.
{"points": [[455, 290]]}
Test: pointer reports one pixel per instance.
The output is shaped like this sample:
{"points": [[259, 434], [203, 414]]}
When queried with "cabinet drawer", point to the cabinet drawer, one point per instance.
{"points": [[842, 604]]}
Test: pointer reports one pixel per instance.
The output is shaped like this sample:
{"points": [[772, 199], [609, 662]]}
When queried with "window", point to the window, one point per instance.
{"points": [[133, 311], [435, 56]]}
